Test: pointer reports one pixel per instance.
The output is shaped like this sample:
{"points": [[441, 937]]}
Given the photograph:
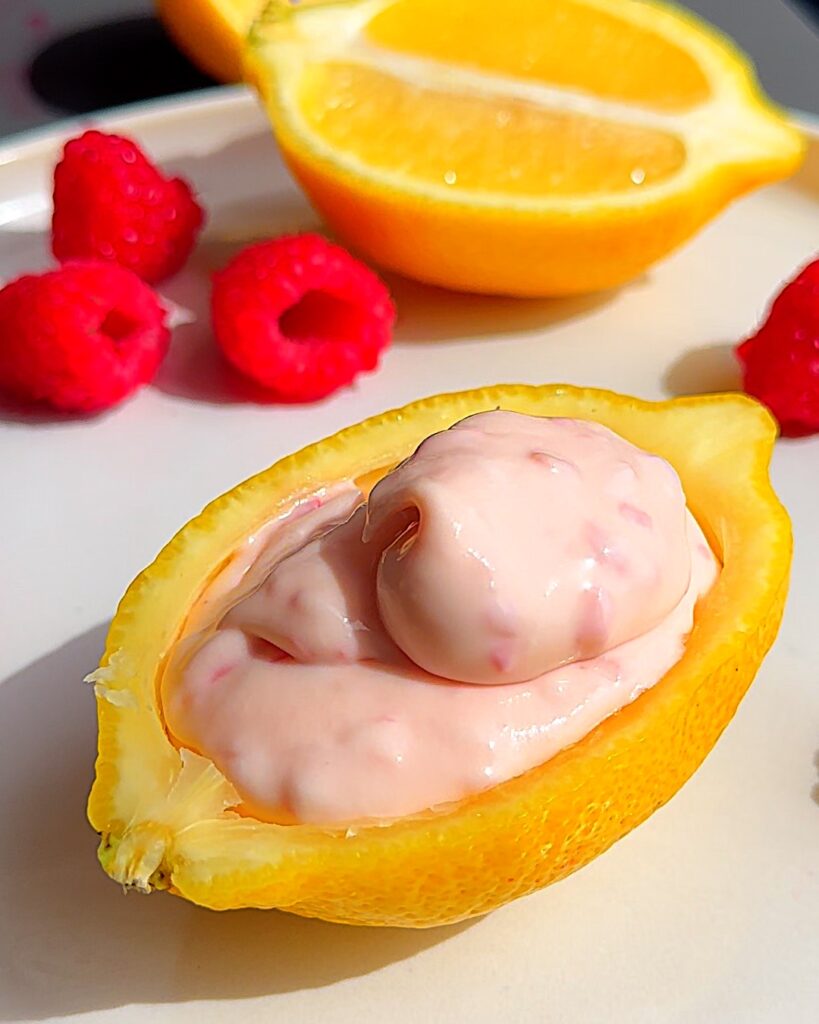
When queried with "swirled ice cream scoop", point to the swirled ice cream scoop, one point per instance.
{"points": [[512, 545], [505, 547], [549, 561]]}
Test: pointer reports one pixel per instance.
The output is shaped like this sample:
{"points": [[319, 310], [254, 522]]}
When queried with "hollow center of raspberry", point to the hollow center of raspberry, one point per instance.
{"points": [[118, 325], [318, 314]]}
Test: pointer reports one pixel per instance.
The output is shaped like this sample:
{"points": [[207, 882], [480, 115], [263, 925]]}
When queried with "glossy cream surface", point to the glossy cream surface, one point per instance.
{"points": [[503, 591]]}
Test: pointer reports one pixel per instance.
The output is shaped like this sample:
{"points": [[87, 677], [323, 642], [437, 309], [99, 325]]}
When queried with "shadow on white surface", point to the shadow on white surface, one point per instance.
{"points": [[427, 314], [194, 367], [196, 370], [703, 371], [71, 941], [807, 180], [14, 411]]}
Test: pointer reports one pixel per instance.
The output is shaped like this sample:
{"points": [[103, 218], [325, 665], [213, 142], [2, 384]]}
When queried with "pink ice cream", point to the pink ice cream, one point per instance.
{"points": [[503, 591]]}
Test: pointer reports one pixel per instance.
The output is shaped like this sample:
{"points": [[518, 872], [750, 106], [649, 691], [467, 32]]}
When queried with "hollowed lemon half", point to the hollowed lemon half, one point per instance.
{"points": [[165, 816]]}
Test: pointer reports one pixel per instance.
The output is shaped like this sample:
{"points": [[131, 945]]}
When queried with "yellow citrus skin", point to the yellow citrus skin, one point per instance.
{"points": [[404, 128], [211, 32], [164, 815]]}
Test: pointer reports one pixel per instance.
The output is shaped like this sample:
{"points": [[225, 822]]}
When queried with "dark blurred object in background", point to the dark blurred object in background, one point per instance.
{"points": [[110, 64], [61, 57], [812, 6]]}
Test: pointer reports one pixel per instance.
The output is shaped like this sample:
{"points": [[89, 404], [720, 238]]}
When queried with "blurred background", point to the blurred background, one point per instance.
{"points": [[65, 57]]}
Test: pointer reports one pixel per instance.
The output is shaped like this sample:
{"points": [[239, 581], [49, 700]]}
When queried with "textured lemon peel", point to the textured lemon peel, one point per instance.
{"points": [[229, 861]]}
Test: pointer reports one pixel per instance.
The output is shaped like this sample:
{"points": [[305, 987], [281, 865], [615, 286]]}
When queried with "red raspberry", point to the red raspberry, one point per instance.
{"points": [[781, 361], [112, 203], [300, 316], [81, 337]]}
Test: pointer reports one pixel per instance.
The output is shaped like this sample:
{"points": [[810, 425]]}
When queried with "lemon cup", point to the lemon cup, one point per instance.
{"points": [[166, 816]]}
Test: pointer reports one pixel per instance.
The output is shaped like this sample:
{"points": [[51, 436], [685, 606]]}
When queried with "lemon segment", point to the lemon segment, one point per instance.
{"points": [[584, 46]]}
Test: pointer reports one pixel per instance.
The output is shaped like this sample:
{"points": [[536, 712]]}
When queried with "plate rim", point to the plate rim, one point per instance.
{"points": [[26, 143]]}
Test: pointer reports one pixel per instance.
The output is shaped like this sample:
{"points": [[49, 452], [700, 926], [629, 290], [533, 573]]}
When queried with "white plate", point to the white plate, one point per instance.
{"points": [[707, 913]]}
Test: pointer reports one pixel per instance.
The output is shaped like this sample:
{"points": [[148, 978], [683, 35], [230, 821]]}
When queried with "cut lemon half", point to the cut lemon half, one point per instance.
{"points": [[166, 816], [525, 148]]}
